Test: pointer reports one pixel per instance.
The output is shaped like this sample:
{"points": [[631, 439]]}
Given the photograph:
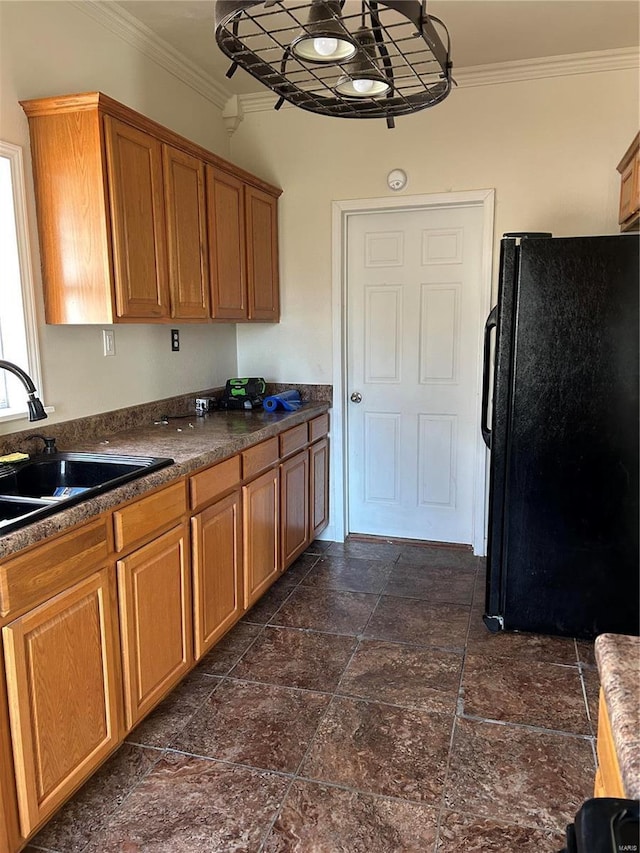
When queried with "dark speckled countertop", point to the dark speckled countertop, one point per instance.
{"points": [[192, 443], [618, 657]]}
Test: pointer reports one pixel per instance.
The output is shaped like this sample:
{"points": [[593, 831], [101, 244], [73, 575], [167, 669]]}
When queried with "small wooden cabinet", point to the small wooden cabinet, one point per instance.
{"points": [[186, 234], [262, 255], [629, 169], [127, 221], [227, 246], [294, 507], [318, 487], [138, 227], [261, 535], [154, 588], [63, 681], [154, 591], [217, 570]]}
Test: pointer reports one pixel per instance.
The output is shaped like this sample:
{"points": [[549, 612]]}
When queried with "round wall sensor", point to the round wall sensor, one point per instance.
{"points": [[397, 179]]}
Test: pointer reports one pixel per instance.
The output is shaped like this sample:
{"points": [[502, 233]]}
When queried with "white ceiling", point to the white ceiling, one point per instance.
{"points": [[483, 32]]}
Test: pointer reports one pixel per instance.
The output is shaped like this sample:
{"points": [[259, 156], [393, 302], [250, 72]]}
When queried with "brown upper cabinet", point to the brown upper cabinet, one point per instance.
{"points": [[262, 256], [186, 235], [138, 224], [629, 168], [227, 246]]}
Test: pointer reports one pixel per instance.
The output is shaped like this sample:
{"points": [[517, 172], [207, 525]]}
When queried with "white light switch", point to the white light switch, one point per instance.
{"points": [[109, 341]]}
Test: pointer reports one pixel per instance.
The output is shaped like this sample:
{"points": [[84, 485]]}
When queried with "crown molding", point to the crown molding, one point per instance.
{"points": [[134, 32], [621, 59], [549, 66]]}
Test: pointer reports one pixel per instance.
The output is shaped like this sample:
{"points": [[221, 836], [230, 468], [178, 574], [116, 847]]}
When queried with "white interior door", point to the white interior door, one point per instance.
{"points": [[413, 330]]}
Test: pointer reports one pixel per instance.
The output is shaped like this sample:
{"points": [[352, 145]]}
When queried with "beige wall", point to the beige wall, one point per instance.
{"points": [[51, 48], [549, 148]]}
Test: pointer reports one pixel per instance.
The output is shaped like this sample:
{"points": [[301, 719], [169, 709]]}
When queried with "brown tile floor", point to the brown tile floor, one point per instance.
{"points": [[360, 706]]}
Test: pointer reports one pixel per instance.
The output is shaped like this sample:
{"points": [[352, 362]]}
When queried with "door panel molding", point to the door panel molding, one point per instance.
{"points": [[341, 212]]}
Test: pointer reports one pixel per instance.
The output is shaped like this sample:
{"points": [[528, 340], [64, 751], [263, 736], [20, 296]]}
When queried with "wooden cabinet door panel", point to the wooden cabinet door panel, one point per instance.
{"points": [[186, 235], [134, 161], [260, 535], [73, 222], [227, 239], [262, 255], [217, 570], [63, 686], [294, 507], [155, 621], [319, 486], [10, 835]]}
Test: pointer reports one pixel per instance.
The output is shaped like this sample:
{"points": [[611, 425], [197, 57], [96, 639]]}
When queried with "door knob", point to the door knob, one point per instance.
{"points": [[356, 397]]}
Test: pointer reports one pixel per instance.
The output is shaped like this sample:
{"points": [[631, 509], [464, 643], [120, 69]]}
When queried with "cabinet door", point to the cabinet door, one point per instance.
{"points": [[63, 682], [186, 235], [319, 486], [217, 571], [155, 621], [134, 164], [227, 245], [262, 255], [260, 535], [10, 836], [294, 507]]}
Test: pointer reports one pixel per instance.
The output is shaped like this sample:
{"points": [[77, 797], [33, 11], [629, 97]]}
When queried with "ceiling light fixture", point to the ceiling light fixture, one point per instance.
{"points": [[351, 59], [362, 77], [324, 39]]}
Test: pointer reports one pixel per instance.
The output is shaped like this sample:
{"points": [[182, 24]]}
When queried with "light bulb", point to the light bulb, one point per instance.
{"points": [[363, 86], [325, 46]]}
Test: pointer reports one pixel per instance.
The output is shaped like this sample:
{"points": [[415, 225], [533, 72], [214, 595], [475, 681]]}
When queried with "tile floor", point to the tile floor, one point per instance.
{"points": [[360, 706]]}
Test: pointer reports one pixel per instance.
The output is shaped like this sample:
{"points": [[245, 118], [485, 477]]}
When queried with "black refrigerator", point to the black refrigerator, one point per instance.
{"points": [[561, 420]]}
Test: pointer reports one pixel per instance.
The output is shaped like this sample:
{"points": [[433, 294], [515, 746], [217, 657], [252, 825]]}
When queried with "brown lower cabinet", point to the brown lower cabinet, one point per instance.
{"points": [[167, 575], [154, 587], [63, 681], [217, 571], [260, 535], [318, 487], [294, 506]]}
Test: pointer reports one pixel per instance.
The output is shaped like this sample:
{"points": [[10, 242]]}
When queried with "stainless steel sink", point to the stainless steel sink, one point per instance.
{"points": [[46, 484]]}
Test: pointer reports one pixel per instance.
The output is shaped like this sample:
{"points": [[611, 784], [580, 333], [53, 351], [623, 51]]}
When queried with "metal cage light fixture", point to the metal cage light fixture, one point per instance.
{"points": [[324, 38], [348, 59], [362, 77]]}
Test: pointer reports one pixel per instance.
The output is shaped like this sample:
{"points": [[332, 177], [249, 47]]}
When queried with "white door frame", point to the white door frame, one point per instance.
{"points": [[341, 211]]}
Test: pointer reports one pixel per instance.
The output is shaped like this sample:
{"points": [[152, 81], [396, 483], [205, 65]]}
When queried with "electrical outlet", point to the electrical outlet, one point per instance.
{"points": [[109, 341], [175, 340]]}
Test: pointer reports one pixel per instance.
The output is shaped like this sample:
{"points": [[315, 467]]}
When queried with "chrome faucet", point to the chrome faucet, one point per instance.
{"points": [[36, 409]]}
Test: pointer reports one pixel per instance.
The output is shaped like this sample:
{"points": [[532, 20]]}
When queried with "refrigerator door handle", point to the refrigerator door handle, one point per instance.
{"points": [[492, 322]]}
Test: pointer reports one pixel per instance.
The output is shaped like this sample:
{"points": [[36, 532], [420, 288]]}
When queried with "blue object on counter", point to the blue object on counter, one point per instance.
{"points": [[288, 400]]}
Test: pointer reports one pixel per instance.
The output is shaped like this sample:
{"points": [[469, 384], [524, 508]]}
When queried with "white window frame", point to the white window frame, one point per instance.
{"points": [[16, 392]]}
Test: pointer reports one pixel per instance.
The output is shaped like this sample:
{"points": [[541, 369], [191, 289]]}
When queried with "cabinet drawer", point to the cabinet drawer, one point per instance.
{"points": [[260, 457], [214, 482], [293, 439], [142, 519], [318, 427], [47, 569]]}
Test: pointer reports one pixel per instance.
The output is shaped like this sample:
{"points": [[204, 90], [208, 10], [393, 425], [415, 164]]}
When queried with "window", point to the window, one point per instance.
{"points": [[18, 334]]}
